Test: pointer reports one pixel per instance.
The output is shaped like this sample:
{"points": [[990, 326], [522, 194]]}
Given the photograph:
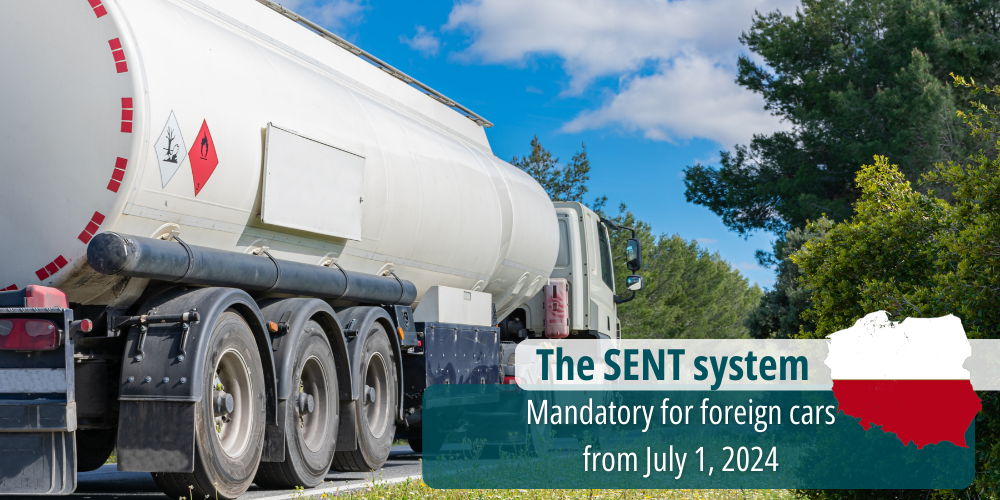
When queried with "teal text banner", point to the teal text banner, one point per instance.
{"points": [[501, 437]]}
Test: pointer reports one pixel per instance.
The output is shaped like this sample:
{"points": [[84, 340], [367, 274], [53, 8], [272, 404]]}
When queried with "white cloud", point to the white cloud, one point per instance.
{"points": [[424, 42], [706, 241], [749, 266], [691, 45], [531, 89], [712, 158], [689, 97], [334, 15]]}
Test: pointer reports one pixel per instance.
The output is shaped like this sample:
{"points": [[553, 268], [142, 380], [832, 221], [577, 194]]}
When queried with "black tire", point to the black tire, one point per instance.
{"points": [[227, 452], [376, 420], [310, 438], [93, 447], [416, 444]]}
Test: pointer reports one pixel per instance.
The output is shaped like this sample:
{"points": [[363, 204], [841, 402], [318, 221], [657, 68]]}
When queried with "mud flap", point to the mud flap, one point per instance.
{"points": [[347, 437], [156, 436], [42, 463]]}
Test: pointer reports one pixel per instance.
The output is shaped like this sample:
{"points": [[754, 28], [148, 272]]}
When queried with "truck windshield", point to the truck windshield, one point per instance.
{"points": [[606, 270]]}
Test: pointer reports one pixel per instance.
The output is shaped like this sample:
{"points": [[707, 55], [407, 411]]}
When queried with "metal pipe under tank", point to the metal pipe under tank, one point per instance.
{"points": [[175, 261]]}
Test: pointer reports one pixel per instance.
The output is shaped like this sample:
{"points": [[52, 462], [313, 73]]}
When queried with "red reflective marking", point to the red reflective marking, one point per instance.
{"points": [[114, 185], [120, 163], [84, 237], [94, 3], [12, 287], [61, 262], [119, 55], [51, 267], [98, 218], [126, 110], [91, 228], [42, 273], [118, 174], [100, 11]]}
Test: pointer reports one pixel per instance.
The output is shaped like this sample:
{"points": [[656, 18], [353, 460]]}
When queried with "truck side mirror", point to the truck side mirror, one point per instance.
{"points": [[633, 255], [634, 283]]}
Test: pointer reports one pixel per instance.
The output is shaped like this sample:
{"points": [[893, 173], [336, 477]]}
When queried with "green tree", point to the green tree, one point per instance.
{"points": [[690, 293], [916, 254], [779, 314], [853, 79], [567, 183], [881, 258]]}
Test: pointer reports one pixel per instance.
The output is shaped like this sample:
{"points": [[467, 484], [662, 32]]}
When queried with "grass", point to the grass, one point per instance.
{"points": [[418, 490]]}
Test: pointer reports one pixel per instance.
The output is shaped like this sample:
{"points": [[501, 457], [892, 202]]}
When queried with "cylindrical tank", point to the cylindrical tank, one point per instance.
{"points": [[148, 117]]}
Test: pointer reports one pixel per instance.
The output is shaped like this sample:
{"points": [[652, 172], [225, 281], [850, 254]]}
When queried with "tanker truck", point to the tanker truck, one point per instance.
{"points": [[237, 248]]}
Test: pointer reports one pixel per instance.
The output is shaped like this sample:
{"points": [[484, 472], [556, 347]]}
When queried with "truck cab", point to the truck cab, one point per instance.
{"points": [[585, 262]]}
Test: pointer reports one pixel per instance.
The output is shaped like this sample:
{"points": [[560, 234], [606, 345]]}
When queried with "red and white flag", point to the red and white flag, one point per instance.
{"points": [[906, 377]]}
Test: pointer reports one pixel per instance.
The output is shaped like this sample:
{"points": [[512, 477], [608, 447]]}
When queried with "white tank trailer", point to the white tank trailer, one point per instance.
{"points": [[239, 129], [219, 218]]}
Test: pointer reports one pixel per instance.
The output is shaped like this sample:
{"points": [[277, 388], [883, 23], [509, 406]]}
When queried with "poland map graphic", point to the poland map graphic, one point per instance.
{"points": [[906, 377]]}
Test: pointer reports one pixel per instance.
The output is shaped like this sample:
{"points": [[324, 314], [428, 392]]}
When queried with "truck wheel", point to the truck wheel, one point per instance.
{"points": [[311, 417], [416, 444], [93, 447], [229, 419], [375, 409]]}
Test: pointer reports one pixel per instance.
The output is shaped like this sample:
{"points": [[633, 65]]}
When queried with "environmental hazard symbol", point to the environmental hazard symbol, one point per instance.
{"points": [[203, 157], [170, 150]]}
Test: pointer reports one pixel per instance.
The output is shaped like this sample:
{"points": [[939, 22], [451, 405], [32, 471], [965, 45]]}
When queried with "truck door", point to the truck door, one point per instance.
{"points": [[603, 317]]}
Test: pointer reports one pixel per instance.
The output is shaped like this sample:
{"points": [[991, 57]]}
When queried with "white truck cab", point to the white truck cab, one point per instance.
{"points": [[585, 262]]}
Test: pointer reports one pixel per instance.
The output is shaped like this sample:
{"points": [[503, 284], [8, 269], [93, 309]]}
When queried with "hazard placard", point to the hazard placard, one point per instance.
{"points": [[170, 150], [203, 157]]}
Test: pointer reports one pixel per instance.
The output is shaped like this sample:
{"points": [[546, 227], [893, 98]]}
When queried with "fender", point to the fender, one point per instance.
{"points": [[291, 316], [357, 322], [364, 318], [166, 402]]}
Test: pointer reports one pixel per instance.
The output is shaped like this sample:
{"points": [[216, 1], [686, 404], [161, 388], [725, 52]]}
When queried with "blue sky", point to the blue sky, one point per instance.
{"points": [[646, 84]]}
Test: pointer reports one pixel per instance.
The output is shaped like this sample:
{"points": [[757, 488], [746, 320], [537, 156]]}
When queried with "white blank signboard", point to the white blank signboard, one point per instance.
{"points": [[311, 186]]}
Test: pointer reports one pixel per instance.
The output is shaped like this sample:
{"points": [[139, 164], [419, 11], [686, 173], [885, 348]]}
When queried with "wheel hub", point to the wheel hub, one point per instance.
{"points": [[232, 402], [224, 403], [313, 404], [306, 403], [376, 392]]}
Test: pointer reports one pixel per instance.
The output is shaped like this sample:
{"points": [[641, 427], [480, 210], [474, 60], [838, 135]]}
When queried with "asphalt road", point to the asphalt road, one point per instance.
{"points": [[107, 483]]}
